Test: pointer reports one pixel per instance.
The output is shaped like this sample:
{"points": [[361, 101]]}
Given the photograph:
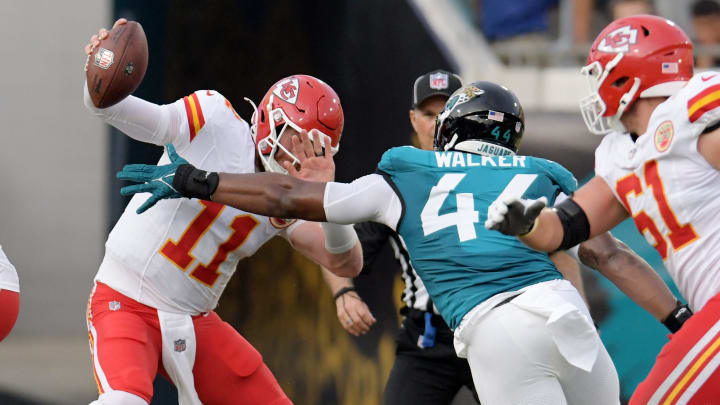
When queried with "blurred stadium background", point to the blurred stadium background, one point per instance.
{"points": [[57, 163]]}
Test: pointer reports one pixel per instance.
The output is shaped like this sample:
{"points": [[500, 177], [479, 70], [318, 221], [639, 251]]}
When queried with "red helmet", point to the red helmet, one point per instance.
{"points": [[303, 103], [639, 56]]}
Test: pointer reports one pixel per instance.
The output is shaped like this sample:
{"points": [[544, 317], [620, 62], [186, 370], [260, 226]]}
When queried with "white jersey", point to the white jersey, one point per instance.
{"points": [[8, 275], [179, 255], [670, 190]]}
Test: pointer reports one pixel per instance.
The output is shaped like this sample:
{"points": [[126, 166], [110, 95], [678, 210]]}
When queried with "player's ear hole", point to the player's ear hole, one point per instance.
{"points": [[620, 82]]}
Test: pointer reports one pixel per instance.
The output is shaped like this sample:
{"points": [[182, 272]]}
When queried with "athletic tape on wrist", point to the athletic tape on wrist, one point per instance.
{"points": [[339, 238]]}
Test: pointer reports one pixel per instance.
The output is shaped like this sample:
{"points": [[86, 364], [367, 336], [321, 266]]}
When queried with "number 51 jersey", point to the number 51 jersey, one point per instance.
{"points": [[180, 254], [669, 189], [445, 199]]}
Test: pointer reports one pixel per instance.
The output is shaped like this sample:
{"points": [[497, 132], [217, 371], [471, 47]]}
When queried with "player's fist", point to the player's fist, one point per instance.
{"points": [[353, 314], [513, 215]]}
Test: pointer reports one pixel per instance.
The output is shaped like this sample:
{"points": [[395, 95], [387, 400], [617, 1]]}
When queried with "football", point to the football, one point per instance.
{"points": [[116, 67]]}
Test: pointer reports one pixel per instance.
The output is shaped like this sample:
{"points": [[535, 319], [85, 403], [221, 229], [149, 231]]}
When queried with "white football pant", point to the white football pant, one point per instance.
{"points": [[516, 360]]}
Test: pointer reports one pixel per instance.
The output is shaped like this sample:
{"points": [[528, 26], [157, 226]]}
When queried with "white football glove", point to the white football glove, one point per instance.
{"points": [[514, 215]]}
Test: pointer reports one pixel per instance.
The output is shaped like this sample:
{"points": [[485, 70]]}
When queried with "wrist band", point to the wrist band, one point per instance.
{"points": [[195, 183], [677, 317], [342, 292]]}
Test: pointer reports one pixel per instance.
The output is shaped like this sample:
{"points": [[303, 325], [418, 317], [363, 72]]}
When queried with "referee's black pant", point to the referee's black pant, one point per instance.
{"points": [[429, 376]]}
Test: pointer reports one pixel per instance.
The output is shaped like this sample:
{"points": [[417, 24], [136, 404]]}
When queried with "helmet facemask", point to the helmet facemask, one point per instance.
{"points": [[593, 107], [278, 119], [640, 56]]}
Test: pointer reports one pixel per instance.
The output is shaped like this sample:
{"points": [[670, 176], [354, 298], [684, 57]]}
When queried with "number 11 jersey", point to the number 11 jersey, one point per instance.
{"points": [[180, 254]]}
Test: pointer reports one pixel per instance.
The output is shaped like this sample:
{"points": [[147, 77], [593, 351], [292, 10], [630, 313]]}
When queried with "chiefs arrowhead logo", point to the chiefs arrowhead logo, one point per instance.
{"points": [[664, 135], [288, 90], [619, 40], [281, 223]]}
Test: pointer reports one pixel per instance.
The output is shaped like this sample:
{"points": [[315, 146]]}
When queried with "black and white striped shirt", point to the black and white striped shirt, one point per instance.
{"points": [[373, 237]]}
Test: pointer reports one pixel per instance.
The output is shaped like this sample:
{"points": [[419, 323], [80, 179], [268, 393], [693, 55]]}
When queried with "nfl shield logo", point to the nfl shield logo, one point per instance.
{"points": [[180, 345], [104, 58], [114, 305], [439, 81]]}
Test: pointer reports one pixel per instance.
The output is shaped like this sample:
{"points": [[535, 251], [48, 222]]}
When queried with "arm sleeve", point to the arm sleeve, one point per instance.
{"points": [[140, 119], [369, 198]]}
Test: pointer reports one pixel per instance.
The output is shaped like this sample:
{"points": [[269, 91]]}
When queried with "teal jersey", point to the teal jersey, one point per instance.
{"points": [[445, 199]]}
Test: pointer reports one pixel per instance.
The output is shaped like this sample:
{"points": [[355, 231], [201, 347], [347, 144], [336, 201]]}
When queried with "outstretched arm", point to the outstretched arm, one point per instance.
{"points": [[272, 194], [269, 194], [368, 198], [633, 276], [591, 211]]}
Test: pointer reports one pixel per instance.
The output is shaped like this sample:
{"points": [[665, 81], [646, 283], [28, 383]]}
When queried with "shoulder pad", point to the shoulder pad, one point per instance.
{"points": [[198, 107], [558, 174], [399, 158], [702, 97]]}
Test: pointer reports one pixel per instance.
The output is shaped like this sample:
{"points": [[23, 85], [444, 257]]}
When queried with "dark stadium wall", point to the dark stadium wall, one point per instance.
{"points": [[122, 149], [370, 52]]}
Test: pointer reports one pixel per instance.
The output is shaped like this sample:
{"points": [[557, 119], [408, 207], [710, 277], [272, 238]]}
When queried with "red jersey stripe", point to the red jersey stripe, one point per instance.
{"points": [[702, 94], [692, 371], [707, 107], [191, 121], [200, 118]]}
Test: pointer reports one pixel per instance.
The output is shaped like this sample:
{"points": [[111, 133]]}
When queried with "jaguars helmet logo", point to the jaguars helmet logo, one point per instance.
{"points": [[461, 96]]}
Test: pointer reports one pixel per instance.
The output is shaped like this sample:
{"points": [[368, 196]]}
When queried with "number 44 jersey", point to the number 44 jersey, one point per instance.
{"points": [[445, 197], [179, 255], [669, 189]]}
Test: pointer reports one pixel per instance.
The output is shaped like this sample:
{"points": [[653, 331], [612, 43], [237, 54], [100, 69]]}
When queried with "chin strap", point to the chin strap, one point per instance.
{"points": [[451, 143], [624, 102]]}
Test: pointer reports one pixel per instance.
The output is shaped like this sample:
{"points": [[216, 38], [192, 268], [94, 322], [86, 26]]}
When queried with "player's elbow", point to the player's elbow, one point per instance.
{"points": [[599, 252], [591, 256], [348, 272], [288, 198], [348, 264], [278, 199]]}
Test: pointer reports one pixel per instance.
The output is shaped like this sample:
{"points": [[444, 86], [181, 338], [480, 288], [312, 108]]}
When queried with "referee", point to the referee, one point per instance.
{"points": [[426, 368]]}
